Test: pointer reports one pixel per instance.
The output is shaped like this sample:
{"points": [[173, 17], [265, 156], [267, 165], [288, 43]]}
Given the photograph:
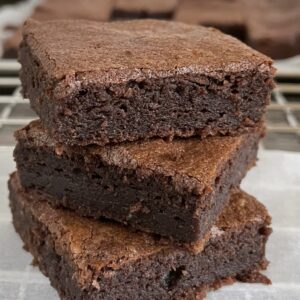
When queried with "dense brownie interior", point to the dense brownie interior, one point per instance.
{"points": [[72, 251], [207, 84], [175, 189]]}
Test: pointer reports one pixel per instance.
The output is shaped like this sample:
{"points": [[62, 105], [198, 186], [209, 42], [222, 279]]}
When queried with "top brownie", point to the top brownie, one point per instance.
{"points": [[99, 83]]}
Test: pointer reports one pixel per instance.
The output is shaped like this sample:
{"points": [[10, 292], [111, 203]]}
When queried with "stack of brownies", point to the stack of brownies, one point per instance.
{"points": [[128, 185]]}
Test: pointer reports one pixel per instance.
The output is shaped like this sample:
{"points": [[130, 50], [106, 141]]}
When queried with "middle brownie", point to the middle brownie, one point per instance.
{"points": [[103, 83], [175, 189]]}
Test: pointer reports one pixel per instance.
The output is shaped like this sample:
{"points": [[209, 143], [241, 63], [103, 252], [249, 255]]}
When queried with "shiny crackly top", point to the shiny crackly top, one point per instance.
{"points": [[202, 160], [85, 51], [86, 241]]}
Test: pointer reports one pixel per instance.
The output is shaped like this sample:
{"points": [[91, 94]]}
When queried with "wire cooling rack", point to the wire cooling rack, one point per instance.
{"points": [[283, 116]]}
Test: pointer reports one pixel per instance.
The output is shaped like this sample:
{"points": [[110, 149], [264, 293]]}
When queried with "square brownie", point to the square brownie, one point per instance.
{"points": [[88, 259], [175, 189], [100, 83], [139, 9]]}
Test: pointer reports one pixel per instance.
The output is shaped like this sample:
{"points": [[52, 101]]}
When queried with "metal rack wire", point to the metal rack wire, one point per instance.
{"points": [[283, 116]]}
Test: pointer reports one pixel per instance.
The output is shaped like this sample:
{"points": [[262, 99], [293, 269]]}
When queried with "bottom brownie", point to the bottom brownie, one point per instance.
{"points": [[89, 259]]}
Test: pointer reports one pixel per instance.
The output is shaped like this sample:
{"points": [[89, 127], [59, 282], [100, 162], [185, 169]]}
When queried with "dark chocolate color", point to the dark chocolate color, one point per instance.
{"points": [[99, 83], [87, 259], [175, 189]]}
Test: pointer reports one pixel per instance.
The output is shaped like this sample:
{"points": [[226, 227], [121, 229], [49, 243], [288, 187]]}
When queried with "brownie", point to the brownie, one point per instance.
{"points": [[175, 189], [99, 83], [95, 10], [139, 9], [271, 27], [89, 259], [274, 27], [227, 16]]}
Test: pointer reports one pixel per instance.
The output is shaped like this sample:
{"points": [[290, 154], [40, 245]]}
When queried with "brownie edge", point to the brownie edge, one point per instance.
{"points": [[137, 81], [175, 189], [73, 251]]}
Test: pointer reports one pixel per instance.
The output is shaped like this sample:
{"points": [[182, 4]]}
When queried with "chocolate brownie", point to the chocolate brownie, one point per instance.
{"points": [[227, 16], [274, 27], [96, 10], [175, 189], [6, 2], [89, 259], [99, 83], [270, 26], [138, 9]]}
